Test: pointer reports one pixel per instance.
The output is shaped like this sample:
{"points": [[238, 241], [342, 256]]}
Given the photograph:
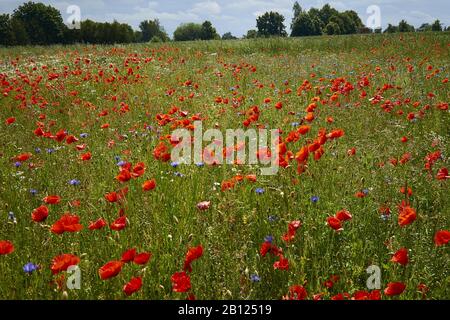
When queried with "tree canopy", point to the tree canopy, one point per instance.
{"points": [[271, 24]]}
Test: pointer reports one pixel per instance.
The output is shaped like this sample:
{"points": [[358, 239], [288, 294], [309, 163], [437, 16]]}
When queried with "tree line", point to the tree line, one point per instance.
{"points": [[39, 24]]}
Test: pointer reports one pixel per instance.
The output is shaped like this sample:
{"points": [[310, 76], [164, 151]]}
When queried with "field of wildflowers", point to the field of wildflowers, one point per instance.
{"points": [[92, 206]]}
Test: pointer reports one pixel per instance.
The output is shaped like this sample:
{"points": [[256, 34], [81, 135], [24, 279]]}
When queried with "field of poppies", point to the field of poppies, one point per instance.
{"points": [[93, 207]]}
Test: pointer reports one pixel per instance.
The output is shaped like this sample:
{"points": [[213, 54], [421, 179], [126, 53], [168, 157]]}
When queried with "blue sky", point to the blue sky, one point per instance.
{"points": [[237, 16]]}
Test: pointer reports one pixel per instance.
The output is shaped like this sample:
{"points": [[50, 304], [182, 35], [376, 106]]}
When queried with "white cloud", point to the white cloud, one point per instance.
{"points": [[206, 8]]}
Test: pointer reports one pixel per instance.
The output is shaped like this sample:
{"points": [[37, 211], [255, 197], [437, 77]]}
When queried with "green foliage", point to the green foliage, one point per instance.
{"points": [[150, 29], [391, 29], [6, 31], [326, 20], [403, 26], [188, 32], [436, 26], [306, 25], [208, 31], [228, 36], [251, 34], [194, 31], [271, 24], [332, 28], [43, 24], [424, 27]]}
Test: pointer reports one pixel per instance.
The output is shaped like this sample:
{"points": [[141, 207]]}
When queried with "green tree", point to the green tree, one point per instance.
{"points": [[188, 32], [332, 28], [228, 36], [305, 25], [326, 13], [403, 26], [391, 29], [271, 24], [297, 10], [436, 26], [424, 27], [43, 24], [208, 32], [152, 28], [355, 18], [6, 32], [251, 34]]}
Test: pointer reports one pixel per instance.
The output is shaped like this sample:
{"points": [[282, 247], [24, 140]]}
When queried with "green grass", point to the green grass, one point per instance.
{"points": [[166, 222]]}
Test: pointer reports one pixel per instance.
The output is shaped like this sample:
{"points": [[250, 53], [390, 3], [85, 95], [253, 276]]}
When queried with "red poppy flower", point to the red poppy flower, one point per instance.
{"points": [[52, 199], [296, 292], [406, 215], [442, 237], [281, 264], [60, 135], [112, 196], [110, 269], [39, 214], [181, 282], [292, 230], [71, 139], [128, 255], [67, 223], [99, 224], [335, 134], [394, 288], [119, 224], [142, 258], [360, 194], [149, 185], [23, 157], [192, 254], [364, 295], [10, 120], [401, 256], [86, 156], [134, 285], [6, 247], [343, 215], [442, 174], [138, 170], [335, 223], [124, 175], [64, 261]]}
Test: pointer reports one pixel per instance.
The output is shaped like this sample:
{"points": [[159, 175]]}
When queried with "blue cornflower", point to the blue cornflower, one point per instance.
{"points": [[37, 150], [268, 239], [83, 135], [295, 124], [50, 150], [272, 218], [259, 190], [365, 191], [200, 164], [74, 182], [17, 164], [117, 158], [255, 278], [33, 192], [30, 267], [178, 174], [314, 199], [121, 163], [174, 164]]}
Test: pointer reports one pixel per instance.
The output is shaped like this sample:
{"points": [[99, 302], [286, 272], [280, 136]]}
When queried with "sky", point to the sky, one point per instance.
{"points": [[237, 16]]}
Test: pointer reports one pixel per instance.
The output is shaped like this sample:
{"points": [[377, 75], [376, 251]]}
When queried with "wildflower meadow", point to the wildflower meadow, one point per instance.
{"points": [[94, 205]]}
